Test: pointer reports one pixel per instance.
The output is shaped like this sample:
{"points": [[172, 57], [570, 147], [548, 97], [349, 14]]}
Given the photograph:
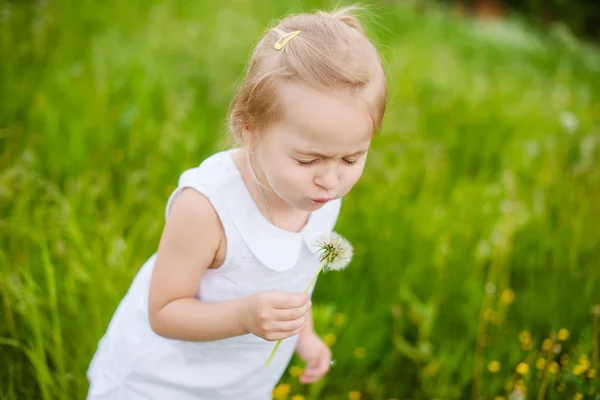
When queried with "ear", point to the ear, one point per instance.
{"points": [[248, 137]]}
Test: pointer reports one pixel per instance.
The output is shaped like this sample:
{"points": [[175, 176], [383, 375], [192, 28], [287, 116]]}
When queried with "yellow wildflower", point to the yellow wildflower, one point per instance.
{"points": [[524, 336], [547, 345], [523, 369], [525, 339], [295, 371], [339, 319], [540, 363], [330, 339], [281, 391], [553, 367], [507, 296], [297, 397], [578, 370], [584, 361], [578, 396], [563, 334], [360, 352], [494, 366], [591, 373], [354, 395]]}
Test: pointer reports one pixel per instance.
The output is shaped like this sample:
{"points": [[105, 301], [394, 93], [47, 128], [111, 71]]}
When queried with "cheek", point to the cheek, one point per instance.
{"points": [[352, 176], [287, 177]]}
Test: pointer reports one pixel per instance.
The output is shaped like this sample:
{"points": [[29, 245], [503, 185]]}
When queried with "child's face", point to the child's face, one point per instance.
{"points": [[317, 150]]}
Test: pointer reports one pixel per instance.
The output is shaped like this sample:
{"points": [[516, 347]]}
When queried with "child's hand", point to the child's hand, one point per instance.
{"points": [[274, 315], [316, 354]]}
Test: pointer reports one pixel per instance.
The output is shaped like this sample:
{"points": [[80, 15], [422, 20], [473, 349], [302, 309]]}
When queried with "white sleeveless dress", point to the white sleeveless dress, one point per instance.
{"points": [[132, 362]]}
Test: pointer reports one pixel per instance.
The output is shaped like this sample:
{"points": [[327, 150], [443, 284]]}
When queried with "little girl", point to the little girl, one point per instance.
{"points": [[203, 314]]}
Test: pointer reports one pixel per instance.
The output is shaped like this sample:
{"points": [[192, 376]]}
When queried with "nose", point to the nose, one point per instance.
{"points": [[328, 178]]}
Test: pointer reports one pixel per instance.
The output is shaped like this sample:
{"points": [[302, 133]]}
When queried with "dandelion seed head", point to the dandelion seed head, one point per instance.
{"points": [[336, 252]]}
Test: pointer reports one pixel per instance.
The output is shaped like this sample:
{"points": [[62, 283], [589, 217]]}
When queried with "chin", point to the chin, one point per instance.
{"points": [[307, 206]]}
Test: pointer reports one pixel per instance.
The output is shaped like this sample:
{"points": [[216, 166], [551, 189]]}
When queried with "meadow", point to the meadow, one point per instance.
{"points": [[476, 224]]}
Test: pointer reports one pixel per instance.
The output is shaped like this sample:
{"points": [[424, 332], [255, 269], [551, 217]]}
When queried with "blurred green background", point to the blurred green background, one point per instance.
{"points": [[476, 224]]}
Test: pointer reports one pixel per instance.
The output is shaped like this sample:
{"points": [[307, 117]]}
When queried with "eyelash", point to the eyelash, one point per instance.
{"points": [[309, 163]]}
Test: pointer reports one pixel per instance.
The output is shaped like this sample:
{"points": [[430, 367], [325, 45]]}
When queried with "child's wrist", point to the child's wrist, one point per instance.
{"points": [[241, 315]]}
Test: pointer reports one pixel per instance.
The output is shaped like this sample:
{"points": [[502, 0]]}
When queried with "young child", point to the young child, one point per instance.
{"points": [[203, 314]]}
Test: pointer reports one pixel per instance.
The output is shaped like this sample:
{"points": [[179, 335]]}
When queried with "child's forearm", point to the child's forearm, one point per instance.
{"points": [[194, 320], [309, 326]]}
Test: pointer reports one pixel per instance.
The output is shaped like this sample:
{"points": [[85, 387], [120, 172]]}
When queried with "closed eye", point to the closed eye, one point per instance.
{"points": [[305, 163], [350, 162]]}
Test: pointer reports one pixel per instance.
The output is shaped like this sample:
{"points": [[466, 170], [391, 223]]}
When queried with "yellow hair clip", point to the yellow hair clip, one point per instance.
{"points": [[284, 39]]}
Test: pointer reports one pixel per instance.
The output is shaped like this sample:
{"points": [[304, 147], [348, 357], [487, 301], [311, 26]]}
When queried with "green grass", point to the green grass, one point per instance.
{"points": [[484, 183]]}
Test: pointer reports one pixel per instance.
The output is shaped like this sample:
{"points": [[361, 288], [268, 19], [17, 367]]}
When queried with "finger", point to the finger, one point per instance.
{"points": [[293, 313], [316, 371], [280, 335], [291, 325], [290, 300]]}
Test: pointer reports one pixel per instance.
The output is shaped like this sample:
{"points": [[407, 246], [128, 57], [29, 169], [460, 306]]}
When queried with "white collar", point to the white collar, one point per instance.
{"points": [[274, 247]]}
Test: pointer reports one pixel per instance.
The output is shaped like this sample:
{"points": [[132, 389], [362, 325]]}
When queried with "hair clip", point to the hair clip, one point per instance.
{"points": [[284, 39]]}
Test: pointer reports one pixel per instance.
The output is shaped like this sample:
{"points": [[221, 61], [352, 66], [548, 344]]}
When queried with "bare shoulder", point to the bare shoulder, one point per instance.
{"points": [[189, 244]]}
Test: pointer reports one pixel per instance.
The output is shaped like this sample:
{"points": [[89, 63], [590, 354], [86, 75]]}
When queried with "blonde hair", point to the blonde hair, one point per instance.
{"points": [[331, 52]]}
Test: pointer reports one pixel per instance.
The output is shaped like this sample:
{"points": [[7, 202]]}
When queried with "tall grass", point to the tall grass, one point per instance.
{"points": [[476, 225]]}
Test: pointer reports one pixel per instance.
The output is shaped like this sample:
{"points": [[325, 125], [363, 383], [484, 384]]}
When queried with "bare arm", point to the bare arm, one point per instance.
{"points": [[187, 249]]}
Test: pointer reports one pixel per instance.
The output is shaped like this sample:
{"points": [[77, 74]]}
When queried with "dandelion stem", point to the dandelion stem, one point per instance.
{"points": [[314, 278], [273, 352]]}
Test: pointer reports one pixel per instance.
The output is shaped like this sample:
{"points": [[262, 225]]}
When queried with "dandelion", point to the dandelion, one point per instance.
{"points": [[553, 367], [591, 373], [489, 314], [524, 336], [281, 391], [540, 363], [578, 396], [493, 366], [330, 339], [525, 339], [547, 345], [563, 334], [297, 397], [523, 369], [360, 352], [578, 370], [295, 371], [336, 253], [354, 395], [507, 296]]}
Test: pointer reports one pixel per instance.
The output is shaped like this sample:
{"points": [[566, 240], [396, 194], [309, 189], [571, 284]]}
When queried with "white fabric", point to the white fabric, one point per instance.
{"points": [[132, 362]]}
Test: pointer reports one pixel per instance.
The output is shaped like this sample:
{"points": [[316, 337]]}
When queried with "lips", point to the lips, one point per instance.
{"points": [[321, 200]]}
